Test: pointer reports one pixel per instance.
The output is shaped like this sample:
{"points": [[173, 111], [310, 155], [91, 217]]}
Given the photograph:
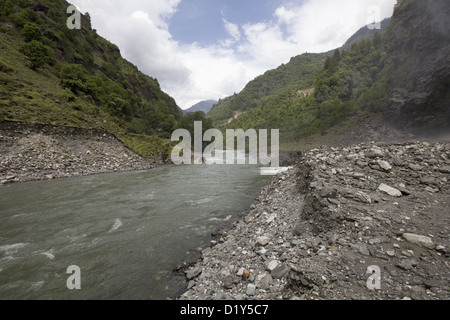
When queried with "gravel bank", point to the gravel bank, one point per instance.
{"points": [[316, 230], [37, 152]]}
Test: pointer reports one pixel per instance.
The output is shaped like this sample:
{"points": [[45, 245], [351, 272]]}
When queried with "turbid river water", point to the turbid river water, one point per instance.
{"points": [[125, 231]]}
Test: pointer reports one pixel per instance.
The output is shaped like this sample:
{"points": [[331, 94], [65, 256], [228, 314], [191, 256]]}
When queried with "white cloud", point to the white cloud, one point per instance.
{"points": [[190, 72], [232, 29]]}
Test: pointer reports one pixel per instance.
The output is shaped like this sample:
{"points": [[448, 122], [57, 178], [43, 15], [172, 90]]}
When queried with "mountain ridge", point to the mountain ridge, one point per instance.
{"points": [[76, 78], [204, 106]]}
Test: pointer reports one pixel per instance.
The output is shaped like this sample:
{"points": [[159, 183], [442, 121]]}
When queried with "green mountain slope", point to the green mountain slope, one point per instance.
{"points": [[399, 73], [310, 93], [53, 75], [271, 98]]}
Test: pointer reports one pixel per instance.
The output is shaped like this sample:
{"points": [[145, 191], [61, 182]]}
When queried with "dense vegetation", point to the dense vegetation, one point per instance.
{"points": [[345, 81], [272, 94], [53, 75]]}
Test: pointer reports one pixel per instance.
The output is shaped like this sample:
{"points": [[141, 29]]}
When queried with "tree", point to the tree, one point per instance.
{"points": [[31, 32], [377, 40], [37, 54], [73, 77], [335, 60], [5, 7]]}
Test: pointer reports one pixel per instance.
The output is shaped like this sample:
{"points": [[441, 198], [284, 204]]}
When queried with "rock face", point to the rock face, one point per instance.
{"points": [[39, 152], [329, 224], [419, 44]]}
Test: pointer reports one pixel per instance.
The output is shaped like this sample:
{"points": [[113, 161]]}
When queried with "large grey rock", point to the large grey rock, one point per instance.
{"points": [[251, 290], [429, 181], [389, 190], [280, 271], [423, 241], [271, 264], [384, 165], [406, 264], [266, 282], [194, 273], [262, 241]]}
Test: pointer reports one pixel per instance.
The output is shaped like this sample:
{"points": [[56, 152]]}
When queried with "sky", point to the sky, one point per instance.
{"points": [[210, 49]]}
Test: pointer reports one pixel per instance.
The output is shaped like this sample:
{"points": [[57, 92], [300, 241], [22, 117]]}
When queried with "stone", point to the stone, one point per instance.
{"points": [[245, 274], [375, 152], [415, 167], [194, 273], [191, 284], [362, 197], [350, 257], [423, 241], [429, 181], [362, 249], [390, 253], [433, 283], [280, 271], [271, 218], [328, 192], [271, 264], [266, 282], [228, 282], [397, 161], [375, 241], [445, 169], [262, 241], [404, 191], [432, 190], [406, 264], [389, 190], [251, 290], [384, 165]]}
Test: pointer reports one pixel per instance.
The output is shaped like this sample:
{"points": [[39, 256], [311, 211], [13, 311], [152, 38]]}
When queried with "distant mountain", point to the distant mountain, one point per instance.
{"points": [[204, 106], [365, 32]]}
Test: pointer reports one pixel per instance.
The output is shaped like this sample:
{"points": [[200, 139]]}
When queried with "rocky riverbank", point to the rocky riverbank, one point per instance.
{"points": [[320, 229], [37, 152]]}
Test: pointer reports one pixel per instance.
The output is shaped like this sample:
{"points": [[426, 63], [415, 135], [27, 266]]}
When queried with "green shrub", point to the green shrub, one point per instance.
{"points": [[73, 77], [5, 7], [37, 54], [31, 32], [18, 20]]}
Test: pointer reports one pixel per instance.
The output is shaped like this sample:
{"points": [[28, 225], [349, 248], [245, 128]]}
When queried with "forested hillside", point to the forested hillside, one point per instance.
{"points": [[51, 74], [399, 72]]}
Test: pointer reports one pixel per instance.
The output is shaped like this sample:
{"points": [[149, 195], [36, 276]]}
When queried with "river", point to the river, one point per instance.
{"points": [[125, 231]]}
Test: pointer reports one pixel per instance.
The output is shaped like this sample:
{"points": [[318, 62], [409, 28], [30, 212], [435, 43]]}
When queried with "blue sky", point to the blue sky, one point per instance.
{"points": [[210, 49], [201, 21]]}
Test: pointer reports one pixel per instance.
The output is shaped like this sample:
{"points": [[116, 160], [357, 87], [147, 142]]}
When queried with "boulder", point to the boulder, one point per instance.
{"points": [[423, 241], [389, 190]]}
